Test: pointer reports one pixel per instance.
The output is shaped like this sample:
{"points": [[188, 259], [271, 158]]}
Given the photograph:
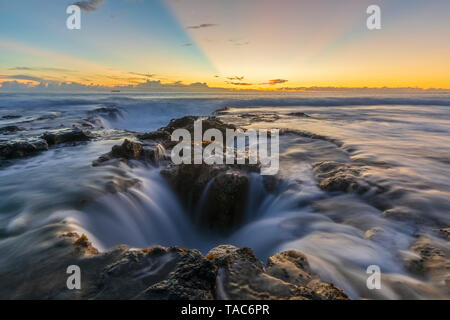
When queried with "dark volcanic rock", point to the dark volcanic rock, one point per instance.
{"points": [[193, 278], [225, 198], [163, 135], [49, 117], [299, 114], [20, 149], [162, 273], [241, 275], [432, 261], [12, 116], [214, 194], [9, 129], [132, 150], [109, 111], [128, 150], [260, 117], [338, 176], [75, 135]]}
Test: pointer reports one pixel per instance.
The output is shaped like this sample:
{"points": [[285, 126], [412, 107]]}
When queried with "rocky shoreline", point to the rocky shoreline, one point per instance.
{"points": [[226, 272], [214, 196]]}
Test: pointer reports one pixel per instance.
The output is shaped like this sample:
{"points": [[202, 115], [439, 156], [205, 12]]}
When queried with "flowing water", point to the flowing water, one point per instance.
{"points": [[402, 139]]}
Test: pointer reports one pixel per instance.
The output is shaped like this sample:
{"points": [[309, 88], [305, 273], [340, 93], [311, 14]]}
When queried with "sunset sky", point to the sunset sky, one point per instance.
{"points": [[256, 44]]}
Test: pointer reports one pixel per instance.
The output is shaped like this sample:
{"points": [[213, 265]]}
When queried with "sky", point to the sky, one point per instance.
{"points": [[233, 44]]}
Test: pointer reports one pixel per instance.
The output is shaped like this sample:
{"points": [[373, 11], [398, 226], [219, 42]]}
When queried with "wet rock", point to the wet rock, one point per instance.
{"points": [[11, 116], [221, 111], [162, 273], [120, 184], [260, 117], [51, 116], [306, 134], [132, 150], [109, 111], [193, 279], [337, 176], [299, 114], [20, 149], [224, 203], [9, 129], [401, 213], [378, 234], [290, 266], [444, 233], [214, 194], [432, 260], [128, 150], [163, 135], [66, 136], [287, 276]]}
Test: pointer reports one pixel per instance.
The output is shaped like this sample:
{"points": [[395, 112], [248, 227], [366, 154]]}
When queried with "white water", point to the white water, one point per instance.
{"points": [[407, 134]]}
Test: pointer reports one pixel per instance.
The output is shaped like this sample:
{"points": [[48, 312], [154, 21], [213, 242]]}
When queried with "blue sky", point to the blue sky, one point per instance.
{"points": [[266, 43]]}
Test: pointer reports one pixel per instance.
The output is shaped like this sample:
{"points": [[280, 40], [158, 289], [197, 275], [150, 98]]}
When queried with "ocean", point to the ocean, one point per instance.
{"points": [[399, 143]]}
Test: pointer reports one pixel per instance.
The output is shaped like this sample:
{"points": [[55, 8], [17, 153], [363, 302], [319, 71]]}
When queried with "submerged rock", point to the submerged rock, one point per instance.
{"points": [[128, 150], [299, 114], [164, 273], [432, 261], [75, 135], [163, 134], [20, 149], [9, 129], [338, 176], [109, 111], [133, 150], [260, 117], [11, 116]]}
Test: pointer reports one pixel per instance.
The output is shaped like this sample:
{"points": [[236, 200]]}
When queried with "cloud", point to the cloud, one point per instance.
{"points": [[40, 69], [236, 78], [187, 45], [274, 82], [146, 75], [147, 86], [20, 68], [238, 42], [240, 83], [21, 77], [89, 5], [13, 86], [203, 25]]}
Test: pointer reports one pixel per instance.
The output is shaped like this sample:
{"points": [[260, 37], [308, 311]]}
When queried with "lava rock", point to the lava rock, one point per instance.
{"points": [[241, 275], [128, 150], [75, 135], [214, 194], [20, 149], [160, 273], [338, 176], [9, 129], [11, 116], [299, 114], [109, 111]]}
